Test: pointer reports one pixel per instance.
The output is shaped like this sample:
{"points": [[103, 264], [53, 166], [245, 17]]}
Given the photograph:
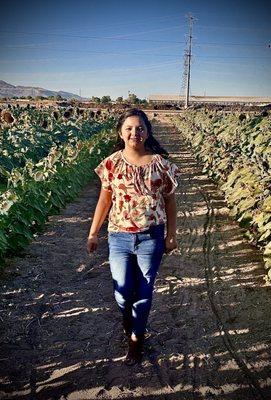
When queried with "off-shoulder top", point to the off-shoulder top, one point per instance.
{"points": [[137, 191]]}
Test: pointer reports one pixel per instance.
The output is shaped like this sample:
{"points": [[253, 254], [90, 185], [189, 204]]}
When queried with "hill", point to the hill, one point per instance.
{"points": [[8, 90]]}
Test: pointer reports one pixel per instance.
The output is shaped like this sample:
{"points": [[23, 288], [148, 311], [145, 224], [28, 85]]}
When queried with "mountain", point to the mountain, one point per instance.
{"points": [[8, 90]]}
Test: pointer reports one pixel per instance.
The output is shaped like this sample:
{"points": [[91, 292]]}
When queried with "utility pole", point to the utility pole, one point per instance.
{"points": [[187, 62]]}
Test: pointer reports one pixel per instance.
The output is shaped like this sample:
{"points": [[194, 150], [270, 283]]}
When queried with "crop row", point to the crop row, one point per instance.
{"points": [[235, 151], [40, 189], [30, 135]]}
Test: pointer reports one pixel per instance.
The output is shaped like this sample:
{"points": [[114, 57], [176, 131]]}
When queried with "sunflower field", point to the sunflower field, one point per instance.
{"points": [[46, 158], [235, 151]]}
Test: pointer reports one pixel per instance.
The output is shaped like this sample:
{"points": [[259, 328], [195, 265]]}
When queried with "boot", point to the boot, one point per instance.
{"points": [[135, 350], [127, 325]]}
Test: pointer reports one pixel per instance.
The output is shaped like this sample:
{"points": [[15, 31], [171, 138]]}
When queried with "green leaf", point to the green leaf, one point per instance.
{"points": [[238, 194], [247, 203], [245, 219], [261, 218], [3, 239], [17, 241], [267, 250], [267, 205], [265, 235]]}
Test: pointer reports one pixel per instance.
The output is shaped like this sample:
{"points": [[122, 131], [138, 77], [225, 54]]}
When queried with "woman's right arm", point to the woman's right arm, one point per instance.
{"points": [[101, 211]]}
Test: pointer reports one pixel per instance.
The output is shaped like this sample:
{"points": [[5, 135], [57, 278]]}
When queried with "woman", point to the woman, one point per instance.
{"points": [[138, 184]]}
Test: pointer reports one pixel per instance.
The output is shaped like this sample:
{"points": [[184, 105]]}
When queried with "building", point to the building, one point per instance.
{"points": [[176, 99]]}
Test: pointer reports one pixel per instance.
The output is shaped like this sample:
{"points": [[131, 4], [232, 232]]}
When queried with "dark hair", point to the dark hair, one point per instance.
{"points": [[150, 144]]}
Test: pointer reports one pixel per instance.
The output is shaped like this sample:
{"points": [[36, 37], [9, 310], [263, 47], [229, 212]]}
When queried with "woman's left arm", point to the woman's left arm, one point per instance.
{"points": [[171, 213]]}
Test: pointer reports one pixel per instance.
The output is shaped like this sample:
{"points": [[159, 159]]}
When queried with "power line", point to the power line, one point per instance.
{"points": [[95, 51], [132, 53], [130, 39], [232, 44], [245, 57], [240, 28], [90, 37]]}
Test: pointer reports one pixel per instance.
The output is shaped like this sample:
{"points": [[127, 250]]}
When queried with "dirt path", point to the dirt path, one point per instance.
{"points": [[209, 329]]}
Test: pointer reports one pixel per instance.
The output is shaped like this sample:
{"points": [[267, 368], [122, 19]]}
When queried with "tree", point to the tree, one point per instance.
{"points": [[106, 99], [96, 99], [144, 102], [119, 99], [40, 98], [74, 102], [133, 99]]}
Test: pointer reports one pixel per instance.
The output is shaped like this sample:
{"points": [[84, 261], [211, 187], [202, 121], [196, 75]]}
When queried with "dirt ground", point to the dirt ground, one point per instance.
{"points": [[209, 328]]}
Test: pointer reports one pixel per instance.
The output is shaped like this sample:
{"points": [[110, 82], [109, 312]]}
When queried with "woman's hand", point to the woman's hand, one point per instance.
{"points": [[92, 243], [170, 243]]}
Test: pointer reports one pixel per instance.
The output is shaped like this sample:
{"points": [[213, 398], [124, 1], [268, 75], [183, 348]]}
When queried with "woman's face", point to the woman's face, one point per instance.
{"points": [[134, 132]]}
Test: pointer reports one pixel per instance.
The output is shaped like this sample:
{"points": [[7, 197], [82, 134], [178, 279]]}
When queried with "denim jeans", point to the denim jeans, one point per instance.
{"points": [[134, 261]]}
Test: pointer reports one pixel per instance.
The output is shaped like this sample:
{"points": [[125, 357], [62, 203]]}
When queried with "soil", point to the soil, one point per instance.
{"points": [[209, 328]]}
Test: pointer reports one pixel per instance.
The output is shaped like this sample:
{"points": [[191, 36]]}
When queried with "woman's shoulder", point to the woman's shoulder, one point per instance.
{"points": [[114, 157], [110, 162], [165, 164], [161, 160], [164, 159]]}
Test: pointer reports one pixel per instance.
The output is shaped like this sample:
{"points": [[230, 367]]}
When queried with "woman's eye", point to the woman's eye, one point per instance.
{"points": [[140, 129]]}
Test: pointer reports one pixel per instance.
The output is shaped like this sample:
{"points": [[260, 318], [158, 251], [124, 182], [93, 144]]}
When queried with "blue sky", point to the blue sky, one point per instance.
{"points": [[106, 47]]}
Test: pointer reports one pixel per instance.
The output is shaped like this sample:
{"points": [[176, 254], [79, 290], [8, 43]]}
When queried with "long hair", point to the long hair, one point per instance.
{"points": [[150, 144]]}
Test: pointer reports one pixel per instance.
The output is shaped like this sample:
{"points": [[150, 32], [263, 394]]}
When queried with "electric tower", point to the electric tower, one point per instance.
{"points": [[187, 62]]}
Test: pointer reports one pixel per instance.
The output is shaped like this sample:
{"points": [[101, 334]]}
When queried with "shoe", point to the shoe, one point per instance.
{"points": [[135, 351]]}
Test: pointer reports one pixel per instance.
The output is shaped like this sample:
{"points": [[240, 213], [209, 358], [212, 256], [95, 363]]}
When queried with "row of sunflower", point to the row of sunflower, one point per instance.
{"points": [[41, 188], [29, 134], [235, 151]]}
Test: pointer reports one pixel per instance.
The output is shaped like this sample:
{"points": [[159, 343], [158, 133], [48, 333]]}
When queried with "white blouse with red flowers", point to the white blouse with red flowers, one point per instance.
{"points": [[137, 191]]}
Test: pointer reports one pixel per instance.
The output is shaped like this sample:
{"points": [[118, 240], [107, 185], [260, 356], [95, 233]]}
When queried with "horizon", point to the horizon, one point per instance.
{"points": [[151, 94], [115, 48]]}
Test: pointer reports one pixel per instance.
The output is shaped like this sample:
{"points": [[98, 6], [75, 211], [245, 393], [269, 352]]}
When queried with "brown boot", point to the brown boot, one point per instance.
{"points": [[135, 350]]}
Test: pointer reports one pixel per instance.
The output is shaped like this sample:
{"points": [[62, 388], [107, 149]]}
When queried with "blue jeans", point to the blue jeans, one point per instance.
{"points": [[134, 261]]}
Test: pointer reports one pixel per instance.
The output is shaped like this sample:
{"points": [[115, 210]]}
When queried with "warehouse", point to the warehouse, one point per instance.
{"points": [[174, 99]]}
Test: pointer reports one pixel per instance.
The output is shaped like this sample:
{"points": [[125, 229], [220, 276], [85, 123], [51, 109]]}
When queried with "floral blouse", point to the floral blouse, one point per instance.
{"points": [[137, 191]]}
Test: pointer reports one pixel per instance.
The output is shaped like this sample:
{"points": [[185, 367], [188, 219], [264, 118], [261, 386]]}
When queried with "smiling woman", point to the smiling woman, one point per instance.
{"points": [[137, 120], [138, 186], [134, 132]]}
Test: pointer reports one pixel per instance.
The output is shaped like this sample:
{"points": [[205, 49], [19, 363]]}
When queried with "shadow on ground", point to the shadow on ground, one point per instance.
{"points": [[209, 329]]}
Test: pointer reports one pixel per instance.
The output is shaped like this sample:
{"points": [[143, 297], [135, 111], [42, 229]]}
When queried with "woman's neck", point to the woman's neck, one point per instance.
{"points": [[135, 153]]}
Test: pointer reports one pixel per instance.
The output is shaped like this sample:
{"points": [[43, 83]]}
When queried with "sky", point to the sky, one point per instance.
{"points": [[114, 48]]}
